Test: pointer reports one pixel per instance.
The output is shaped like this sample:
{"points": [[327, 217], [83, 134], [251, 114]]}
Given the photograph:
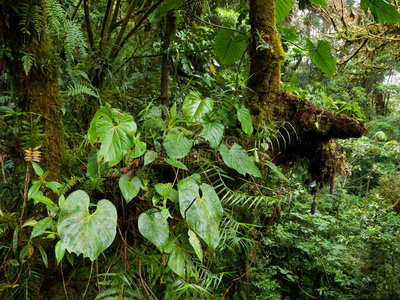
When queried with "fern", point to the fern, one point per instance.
{"points": [[70, 183], [30, 14], [31, 133], [80, 89], [55, 15], [74, 41], [27, 61]]}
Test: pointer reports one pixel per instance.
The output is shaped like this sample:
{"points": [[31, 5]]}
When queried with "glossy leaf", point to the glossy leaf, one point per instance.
{"points": [[129, 187], [83, 232], [149, 157], [154, 227], [282, 9], [202, 213], [140, 149], [213, 133], [176, 144], [115, 132], [244, 117], [237, 158], [175, 163], [321, 55], [319, 2], [167, 191], [195, 242], [37, 168], [60, 251], [382, 11], [194, 107], [41, 226], [180, 261], [230, 46]]}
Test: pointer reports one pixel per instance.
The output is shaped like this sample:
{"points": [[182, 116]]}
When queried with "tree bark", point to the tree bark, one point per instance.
{"points": [[170, 26], [38, 91]]}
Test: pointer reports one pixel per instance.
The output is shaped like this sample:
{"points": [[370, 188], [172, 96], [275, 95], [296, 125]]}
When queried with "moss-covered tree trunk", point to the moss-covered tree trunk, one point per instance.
{"points": [[314, 127], [36, 86]]}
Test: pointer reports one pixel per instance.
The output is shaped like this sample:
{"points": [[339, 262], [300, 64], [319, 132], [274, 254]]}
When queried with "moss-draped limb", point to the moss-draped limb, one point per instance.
{"points": [[314, 127]]}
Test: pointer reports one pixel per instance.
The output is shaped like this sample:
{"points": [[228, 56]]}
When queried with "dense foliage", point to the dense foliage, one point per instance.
{"points": [[161, 182]]}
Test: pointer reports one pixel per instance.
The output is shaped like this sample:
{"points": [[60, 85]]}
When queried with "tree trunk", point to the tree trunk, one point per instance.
{"points": [[314, 127], [170, 26], [37, 90]]}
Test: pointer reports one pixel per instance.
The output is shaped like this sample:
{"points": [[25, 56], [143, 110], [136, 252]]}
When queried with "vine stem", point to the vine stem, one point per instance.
{"points": [[27, 180]]}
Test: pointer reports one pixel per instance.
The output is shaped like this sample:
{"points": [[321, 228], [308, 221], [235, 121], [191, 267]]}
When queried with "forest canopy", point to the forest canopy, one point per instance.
{"points": [[192, 149]]}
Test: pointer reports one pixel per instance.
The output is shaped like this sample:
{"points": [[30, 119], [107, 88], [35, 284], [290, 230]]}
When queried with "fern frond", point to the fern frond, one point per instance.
{"points": [[55, 15], [70, 183], [27, 62], [80, 89], [74, 41]]}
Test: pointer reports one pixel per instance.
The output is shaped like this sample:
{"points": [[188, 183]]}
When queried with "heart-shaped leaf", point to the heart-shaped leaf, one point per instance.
{"points": [[202, 213], [83, 232], [176, 145], [282, 9], [213, 133], [321, 55], [180, 261], [382, 11], [167, 191], [237, 158], [154, 227], [115, 131], [149, 157], [129, 187], [230, 46], [194, 108]]}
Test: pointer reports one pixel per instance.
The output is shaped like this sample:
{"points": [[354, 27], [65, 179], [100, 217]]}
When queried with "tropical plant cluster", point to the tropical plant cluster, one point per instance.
{"points": [[134, 165]]}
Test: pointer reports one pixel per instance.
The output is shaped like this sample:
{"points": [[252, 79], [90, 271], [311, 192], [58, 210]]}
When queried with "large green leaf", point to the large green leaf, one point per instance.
{"points": [[213, 133], [302, 3], [115, 131], [195, 242], [154, 227], [229, 46], [202, 213], [237, 158], [321, 55], [176, 145], [282, 9], [129, 187], [382, 11], [244, 117], [165, 6], [83, 232], [194, 108], [319, 2], [167, 191], [180, 261], [149, 157], [175, 163], [41, 226]]}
